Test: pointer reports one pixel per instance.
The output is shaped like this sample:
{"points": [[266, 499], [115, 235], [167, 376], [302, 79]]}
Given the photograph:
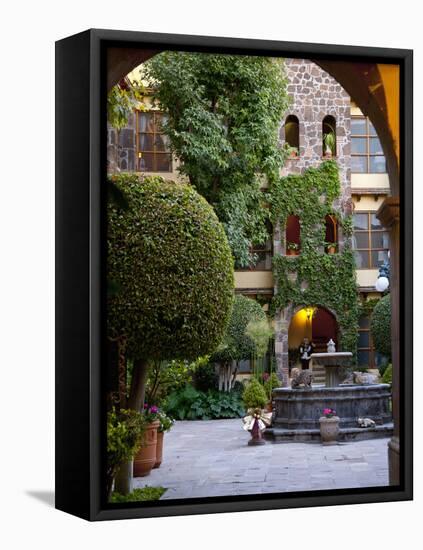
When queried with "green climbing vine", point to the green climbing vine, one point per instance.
{"points": [[314, 278]]}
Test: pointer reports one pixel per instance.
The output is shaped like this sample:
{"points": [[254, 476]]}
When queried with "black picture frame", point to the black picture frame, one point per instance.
{"points": [[80, 169]]}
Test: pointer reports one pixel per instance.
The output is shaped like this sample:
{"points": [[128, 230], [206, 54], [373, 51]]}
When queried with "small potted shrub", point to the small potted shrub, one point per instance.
{"points": [[293, 152], [166, 424], [329, 142], [145, 459], [331, 248], [292, 249], [255, 399], [329, 427]]}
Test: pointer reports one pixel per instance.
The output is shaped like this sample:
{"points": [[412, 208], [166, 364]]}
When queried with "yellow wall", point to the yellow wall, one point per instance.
{"points": [[377, 181], [253, 279], [367, 277], [367, 203], [299, 328]]}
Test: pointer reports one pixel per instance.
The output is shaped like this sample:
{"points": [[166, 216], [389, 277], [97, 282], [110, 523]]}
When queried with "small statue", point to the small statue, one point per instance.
{"points": [[331, 346], [304, 377], [366, 423]]}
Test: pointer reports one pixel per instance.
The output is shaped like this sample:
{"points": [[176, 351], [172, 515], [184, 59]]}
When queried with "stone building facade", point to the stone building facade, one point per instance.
{"points": [[315, 97]]}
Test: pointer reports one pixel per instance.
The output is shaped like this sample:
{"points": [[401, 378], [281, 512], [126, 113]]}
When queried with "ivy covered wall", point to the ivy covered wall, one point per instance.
{"points": [[314, 277]]}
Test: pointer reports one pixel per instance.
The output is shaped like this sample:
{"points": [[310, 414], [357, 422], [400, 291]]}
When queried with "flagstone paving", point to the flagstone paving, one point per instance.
{"points": [[212, 458]]}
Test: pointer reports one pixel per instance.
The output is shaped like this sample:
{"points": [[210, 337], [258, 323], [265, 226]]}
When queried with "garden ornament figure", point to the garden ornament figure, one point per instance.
{"points": [[331, 346]]}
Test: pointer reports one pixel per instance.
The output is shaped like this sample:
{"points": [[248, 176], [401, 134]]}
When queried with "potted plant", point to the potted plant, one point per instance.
{"points": [[331, 248], [145, 458], [254, 397], [329, 143], [293, 152], [292, 249], [166, 424], [329, 427]]}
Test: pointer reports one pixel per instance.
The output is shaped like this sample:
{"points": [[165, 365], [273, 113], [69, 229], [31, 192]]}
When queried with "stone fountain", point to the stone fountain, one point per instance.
{"points": [[297, 411]]}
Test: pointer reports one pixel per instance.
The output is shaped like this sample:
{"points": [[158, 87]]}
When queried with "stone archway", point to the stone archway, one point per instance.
{"points": [[375, 88]]}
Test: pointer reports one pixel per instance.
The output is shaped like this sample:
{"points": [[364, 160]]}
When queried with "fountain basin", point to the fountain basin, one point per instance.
{"points": [[297, 411]]}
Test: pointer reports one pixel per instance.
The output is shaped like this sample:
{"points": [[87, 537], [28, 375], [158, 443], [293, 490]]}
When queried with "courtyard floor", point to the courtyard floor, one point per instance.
{"points": [[211, 458]]}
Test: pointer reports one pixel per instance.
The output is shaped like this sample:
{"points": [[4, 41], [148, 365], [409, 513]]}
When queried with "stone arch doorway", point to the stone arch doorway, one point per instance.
{"points": [[318, 324]]}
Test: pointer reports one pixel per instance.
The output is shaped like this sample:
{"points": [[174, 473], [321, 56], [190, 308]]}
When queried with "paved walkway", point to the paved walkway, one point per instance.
{"points": [[211, 458]]}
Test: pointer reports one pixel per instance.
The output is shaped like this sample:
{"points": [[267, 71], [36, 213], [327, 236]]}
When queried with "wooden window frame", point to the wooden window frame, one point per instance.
{"points": [[154, 152], [369, 232], [368, 155], [370, 348]]}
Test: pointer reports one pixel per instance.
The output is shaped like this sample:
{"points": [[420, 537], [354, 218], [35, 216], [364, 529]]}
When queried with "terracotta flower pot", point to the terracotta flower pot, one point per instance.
{"points": [[159, 449], [145, 458], [292, 252], [329, 430], [331, 249]]}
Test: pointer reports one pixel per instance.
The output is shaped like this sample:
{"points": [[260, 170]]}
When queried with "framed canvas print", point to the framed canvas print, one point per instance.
{"points": [[234, 274]]}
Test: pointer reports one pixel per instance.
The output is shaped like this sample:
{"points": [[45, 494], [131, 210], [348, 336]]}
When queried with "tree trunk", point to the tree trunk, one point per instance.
{"points": [[137, 391], [235, 372], [124, 477]]}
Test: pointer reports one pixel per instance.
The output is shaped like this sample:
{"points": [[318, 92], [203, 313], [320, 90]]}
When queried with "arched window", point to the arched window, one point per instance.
{"points": [[329, 136], [292, 134], [292, 235], [331, 233]]}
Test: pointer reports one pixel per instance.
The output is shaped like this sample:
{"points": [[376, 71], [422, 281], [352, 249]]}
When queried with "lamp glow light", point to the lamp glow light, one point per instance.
{"points": [[382, 284]]}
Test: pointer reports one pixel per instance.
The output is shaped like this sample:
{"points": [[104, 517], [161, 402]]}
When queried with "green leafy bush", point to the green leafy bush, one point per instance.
{"points": [[164, 377], [139, 495], [125, 429], [254, 395], [169, 259], [380, 326], [271, 383], [387, 375], [191, 404], [224, 114], [205, 377], [237, 344]]}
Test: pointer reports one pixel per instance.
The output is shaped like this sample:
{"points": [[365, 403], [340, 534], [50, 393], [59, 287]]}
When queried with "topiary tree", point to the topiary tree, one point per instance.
{"points": [[237, 345], [171, 271], [254, 395], [380, 326]]}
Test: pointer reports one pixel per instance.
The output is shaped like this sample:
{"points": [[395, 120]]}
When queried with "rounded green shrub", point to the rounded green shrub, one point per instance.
{"points": [[254, 395], [380, 326], [237, 343], [171, 270]]}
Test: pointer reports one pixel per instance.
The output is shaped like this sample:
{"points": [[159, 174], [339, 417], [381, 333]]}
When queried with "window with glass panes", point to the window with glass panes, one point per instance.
{"points": [[366, 151], [370, 241], [152, 144], [365, 350]]}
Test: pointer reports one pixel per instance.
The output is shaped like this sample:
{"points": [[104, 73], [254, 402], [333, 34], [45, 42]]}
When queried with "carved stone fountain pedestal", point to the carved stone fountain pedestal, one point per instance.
{"points": [[334, 363]]}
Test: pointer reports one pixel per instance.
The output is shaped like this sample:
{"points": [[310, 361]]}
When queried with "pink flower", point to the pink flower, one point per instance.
{"points": [[154, 409]]}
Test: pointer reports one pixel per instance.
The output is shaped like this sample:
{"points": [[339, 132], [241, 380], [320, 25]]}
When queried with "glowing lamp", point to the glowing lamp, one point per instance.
{"points": [[382, 284]]}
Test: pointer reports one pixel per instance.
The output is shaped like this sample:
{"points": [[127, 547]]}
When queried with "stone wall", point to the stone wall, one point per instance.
{"points": [[314, 95], [122, 156]]}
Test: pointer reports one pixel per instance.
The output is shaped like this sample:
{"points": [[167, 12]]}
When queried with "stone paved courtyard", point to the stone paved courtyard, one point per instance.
{"points": [[211, 458]]}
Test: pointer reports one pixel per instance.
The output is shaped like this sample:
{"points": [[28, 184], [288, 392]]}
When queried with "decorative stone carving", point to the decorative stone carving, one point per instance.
{"points": [[366, 422], [301, 377]]}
